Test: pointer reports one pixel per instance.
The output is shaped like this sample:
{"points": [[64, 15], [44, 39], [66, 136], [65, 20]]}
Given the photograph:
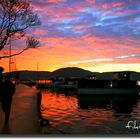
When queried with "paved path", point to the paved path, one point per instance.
{"points": [[24, 120], [24, 115]]}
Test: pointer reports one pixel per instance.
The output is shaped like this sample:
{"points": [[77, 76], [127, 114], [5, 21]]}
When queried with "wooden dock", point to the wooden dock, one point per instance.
{"points": [[24, 119]]}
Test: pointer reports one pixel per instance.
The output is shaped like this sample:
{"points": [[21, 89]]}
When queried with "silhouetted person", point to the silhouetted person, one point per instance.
{"points": [[0, 89], [1, 70], [8, 90]]}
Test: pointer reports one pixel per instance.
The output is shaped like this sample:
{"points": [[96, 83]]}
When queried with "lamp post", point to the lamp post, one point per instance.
{"points": [[37, 66], [10, 56], [37, 72]]}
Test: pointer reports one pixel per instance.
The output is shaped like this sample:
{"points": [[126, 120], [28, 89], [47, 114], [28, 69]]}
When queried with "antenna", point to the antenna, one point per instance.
{"points": [[37, 66]]}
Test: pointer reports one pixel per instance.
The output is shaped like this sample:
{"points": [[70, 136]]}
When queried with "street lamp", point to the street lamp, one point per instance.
{"points": [[10, 55]]}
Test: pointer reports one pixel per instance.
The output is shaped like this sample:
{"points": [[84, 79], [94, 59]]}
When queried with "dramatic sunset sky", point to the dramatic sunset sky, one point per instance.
{"points": [[97, 35]]}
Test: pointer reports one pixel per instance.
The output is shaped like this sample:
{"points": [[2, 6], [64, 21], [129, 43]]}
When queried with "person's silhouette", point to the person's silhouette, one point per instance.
{"points": [[8, 90], [1, 70]]}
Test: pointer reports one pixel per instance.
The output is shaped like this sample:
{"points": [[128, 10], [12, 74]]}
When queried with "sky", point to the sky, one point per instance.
{"points": [[96, 35]]}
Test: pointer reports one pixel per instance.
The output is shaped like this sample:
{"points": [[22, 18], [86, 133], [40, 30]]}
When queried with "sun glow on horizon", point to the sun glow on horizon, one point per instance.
{"points": [[99, 37]]}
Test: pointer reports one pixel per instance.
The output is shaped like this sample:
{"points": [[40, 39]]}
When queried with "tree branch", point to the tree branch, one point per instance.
{"points": [[16, 17], [7, 56], [31, 43]]}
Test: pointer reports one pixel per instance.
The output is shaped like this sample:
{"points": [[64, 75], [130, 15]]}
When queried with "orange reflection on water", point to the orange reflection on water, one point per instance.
{"points": [[57, 106], [87, 115], [63, 110], [45, 81]]}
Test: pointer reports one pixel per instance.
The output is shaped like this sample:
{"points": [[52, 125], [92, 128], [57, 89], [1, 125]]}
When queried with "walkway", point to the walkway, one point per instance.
{"points": [[24, 115], [24, 120]]}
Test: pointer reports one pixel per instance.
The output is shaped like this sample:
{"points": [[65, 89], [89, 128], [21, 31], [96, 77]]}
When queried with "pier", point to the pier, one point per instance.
{"points": [[24, 118]]}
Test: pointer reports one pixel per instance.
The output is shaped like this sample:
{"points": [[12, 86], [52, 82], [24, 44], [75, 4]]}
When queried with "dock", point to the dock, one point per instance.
{"points": [[24, 119]]}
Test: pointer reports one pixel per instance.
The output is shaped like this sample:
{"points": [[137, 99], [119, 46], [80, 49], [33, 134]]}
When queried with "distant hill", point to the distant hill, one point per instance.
{"points": [[42, 75], [71, 72], [31, 75]]}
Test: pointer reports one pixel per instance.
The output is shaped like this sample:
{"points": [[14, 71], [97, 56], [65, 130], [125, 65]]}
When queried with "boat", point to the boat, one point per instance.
{"points": [[58, 85], [113, 87], [96, 86], [107, 90]]}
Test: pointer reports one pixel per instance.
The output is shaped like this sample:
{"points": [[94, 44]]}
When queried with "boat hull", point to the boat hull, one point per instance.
{"points": [[112, 91]]}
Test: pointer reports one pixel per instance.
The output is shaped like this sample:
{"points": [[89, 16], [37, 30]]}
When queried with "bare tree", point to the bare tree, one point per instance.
{"points": [[30, 43], [15, 17]]}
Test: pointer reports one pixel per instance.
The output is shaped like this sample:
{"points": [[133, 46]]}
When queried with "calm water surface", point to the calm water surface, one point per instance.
{"points": [[91, 114]]}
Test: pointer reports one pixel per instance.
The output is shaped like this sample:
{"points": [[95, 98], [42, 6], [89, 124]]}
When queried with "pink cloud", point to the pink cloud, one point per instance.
{"points": [[55, 1], [38, 7], [91, 2], [66, 12], [112, 5], [80, 27], [57, 13], [39, 31]]}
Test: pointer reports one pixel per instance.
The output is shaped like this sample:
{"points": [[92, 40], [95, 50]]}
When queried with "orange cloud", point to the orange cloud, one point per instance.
{"points": [[84, 52]]}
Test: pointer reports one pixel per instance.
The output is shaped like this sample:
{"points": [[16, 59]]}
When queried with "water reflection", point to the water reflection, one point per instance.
{"points": [[124, 105], [89, 102], [90, 114], [55, 104], [118, 104]]}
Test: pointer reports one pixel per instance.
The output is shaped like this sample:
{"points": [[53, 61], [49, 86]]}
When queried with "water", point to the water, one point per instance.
{"points": [[96, 115]]}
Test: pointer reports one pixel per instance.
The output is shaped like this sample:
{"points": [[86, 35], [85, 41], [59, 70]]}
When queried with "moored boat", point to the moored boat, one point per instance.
{"points": [[108, 90], [113, 87]]}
